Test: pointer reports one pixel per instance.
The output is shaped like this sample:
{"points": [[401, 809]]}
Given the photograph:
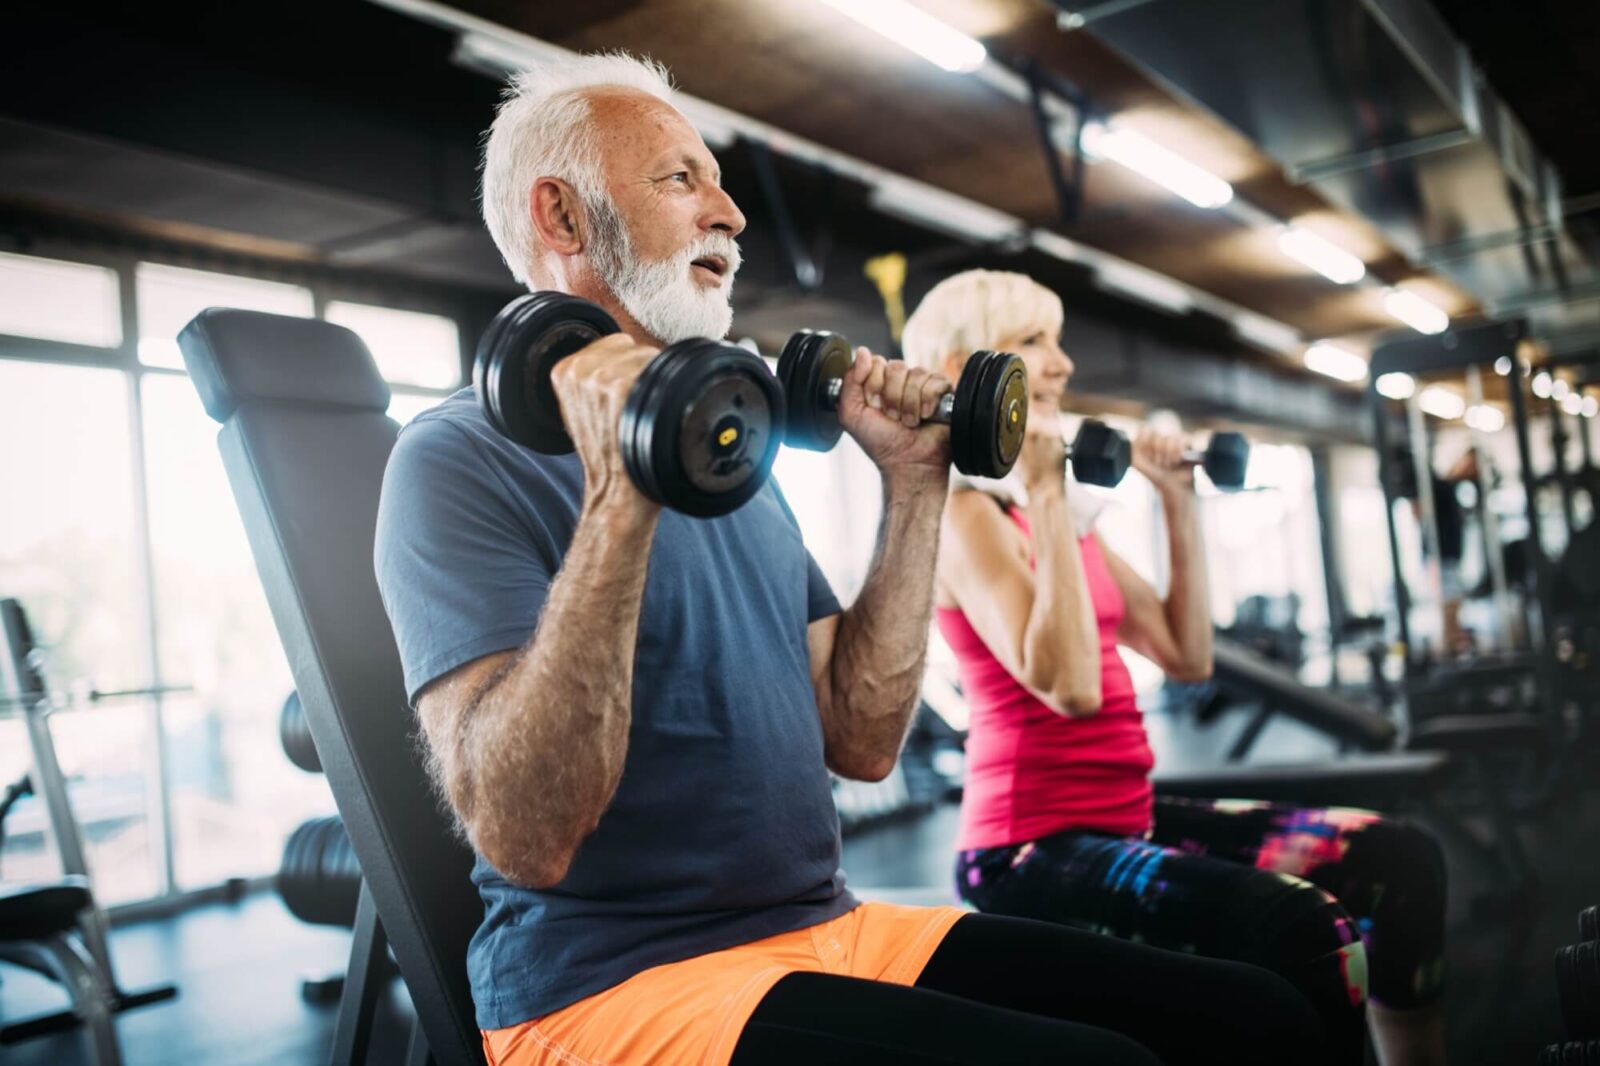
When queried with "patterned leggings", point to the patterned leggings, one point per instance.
{"points": [[1310, 893]]}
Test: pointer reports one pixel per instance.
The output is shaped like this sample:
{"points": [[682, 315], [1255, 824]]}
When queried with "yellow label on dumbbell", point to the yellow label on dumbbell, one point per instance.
{"points": [[727, 436], [1014, 416]]}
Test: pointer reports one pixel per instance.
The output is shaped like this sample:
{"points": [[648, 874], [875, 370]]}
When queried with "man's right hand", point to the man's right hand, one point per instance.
{"points": [[1042, 463], [592, 386]]}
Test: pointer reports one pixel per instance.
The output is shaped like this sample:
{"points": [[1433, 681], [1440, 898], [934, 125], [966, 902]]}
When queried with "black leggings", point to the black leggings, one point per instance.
{"points": [[1317, 895], [1004, 991]]}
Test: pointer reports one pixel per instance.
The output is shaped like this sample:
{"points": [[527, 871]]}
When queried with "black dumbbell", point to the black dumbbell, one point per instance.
{"points": [[701, 425], [987, 413], [1589, 923], [1101, 456]]}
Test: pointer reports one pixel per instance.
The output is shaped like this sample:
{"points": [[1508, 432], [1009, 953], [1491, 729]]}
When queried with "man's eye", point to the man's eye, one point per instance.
{"points": [[681, 176], [1032, 339]]}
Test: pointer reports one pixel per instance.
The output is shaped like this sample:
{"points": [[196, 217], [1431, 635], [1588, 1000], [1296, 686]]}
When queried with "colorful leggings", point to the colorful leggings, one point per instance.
{"points": [[1310, 893]]}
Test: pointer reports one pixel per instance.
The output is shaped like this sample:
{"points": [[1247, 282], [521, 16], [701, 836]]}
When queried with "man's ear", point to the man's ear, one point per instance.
{"points": [[557, 216]]}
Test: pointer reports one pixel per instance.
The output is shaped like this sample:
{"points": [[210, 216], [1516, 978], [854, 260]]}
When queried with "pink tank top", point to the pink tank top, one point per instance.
{"points": [[1032, 772]]}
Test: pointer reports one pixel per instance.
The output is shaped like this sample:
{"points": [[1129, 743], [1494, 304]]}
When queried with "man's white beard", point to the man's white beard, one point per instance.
{"points": [[662, 296]]}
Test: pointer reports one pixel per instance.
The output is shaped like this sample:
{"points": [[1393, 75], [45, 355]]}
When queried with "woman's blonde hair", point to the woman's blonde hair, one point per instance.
{"points": [[977, 309]]}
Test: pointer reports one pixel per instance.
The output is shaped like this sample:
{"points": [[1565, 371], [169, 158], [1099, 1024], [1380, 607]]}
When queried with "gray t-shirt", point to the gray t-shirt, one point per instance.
{"points": [[723, 828]]}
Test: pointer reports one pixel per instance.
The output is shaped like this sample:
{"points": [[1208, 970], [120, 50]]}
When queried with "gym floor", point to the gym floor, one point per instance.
{"points": [[238, 966]]}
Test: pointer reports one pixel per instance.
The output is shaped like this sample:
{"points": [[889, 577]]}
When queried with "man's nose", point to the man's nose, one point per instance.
{"points": [[723, 214]]}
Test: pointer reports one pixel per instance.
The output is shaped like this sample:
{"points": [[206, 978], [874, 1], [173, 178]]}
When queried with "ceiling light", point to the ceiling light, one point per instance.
{"points": [[1395, 385], [1572, 403], [1335, 362], [1143, 156], [1541, 385], [1266, 333], [1559, 389], [913, 28], [1502, 366], [942, 211], [1485, 419], [1591, 407], [1414, 311], [1440, 402], [1144, 285], [1321, 255], [1056, 245]]}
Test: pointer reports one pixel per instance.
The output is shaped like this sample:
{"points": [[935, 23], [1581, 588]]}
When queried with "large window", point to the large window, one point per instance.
{"points": [[122, 540], [170, 296], [68, 553], [58, 301], [410, 348]]}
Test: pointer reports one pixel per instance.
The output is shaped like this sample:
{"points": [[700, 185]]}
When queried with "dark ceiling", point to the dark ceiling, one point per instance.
{"points": [[340, 136], [1543, 56]]}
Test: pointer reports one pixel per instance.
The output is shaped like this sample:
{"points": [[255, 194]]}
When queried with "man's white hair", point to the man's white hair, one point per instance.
{"points": [[544, 129], [977, 309]]}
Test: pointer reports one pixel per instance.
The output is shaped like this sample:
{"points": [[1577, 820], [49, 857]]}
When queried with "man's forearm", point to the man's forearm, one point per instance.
{"points": [[1188, 606], [547, 740], [882, 643]]}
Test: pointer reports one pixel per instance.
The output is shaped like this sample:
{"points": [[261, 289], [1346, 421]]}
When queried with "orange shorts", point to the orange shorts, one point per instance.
{"points": [[692, 1012]]}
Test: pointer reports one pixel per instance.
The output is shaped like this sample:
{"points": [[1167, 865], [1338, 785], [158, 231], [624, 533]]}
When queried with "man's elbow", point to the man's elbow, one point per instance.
{"points": [[523, 864], [869, 768]]}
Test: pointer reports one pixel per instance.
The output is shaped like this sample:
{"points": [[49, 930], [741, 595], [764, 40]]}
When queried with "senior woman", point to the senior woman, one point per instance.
{"points": [[1058, 821]]}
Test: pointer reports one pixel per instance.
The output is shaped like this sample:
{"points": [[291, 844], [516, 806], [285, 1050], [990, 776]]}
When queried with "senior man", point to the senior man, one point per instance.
{"points": [[632, 713]]}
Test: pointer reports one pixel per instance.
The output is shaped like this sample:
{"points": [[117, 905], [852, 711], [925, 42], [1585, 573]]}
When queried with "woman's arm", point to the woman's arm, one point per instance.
{"points": [[1039, 623], [1174, 633]]}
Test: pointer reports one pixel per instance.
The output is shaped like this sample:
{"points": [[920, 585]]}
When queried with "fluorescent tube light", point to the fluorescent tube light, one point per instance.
{"points": [[1572, 403], [1321, 255], [1440, 402], [1145, 157], [1541, 385], [1414, 311], [1335, 362], [1395, 385], [1591, 407], [1502, 366], [1144, 285], [942, 211], [1266, 333], [1559, 389], [914, 29], [1054, 244]]}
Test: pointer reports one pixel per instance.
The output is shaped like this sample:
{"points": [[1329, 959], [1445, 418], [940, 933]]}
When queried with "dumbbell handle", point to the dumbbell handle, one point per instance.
{"points": [[941, 414], [1190, 455]]}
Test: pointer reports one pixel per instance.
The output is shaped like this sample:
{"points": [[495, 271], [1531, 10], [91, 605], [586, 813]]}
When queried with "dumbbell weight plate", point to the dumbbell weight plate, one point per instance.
{"points": [[1589, 923], [990, 416], [1570, 993], [701, 427], [511, 371], [810, 360], [1100, 455], [1586, 957], [1226, 457]]}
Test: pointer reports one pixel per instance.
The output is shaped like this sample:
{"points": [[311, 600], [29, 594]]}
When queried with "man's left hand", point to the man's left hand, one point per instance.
{"points": [[883, 405]]}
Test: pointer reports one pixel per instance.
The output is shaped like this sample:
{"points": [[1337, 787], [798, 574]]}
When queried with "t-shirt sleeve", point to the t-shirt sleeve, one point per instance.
{"points": [[820, 599], [462, 572]]}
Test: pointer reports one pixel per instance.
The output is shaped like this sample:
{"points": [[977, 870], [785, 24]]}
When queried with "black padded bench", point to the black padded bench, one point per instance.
{"points": [[1383, 781], [305, 439]]}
